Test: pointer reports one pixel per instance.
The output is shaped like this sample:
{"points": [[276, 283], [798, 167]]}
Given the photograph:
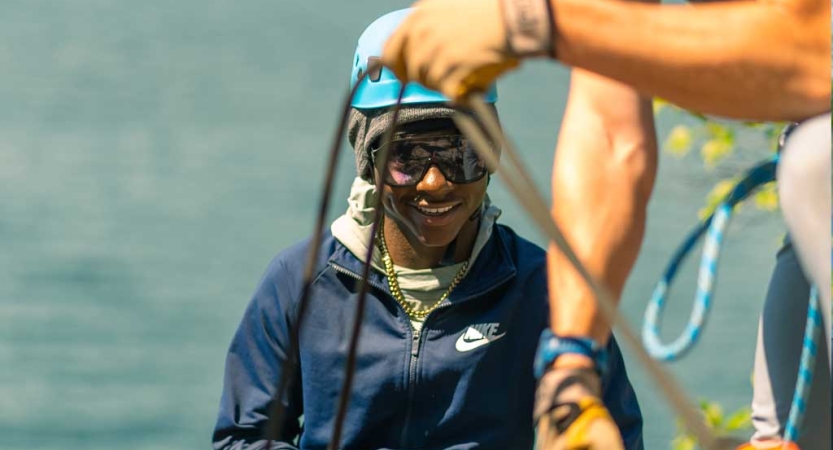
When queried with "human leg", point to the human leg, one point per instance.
{"points": [[777, 360], [804, 187]]}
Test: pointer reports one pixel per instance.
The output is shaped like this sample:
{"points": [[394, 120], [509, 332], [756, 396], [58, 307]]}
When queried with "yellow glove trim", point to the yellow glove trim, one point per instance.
{"points": [[577, 433], [481, 79]]}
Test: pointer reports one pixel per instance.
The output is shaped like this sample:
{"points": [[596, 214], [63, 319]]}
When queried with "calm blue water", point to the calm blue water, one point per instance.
{"points": [[155, 155]]}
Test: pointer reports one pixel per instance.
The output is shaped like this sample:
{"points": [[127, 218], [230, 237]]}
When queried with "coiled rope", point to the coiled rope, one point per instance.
{"points": [[714, 226]]}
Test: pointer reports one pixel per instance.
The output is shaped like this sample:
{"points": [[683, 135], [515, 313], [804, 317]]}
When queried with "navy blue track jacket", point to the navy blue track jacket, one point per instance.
{"points": [[464, 382]]}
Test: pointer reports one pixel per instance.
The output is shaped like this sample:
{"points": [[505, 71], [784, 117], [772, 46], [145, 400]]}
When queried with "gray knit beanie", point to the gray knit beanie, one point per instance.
{"points": [[364, 127]]}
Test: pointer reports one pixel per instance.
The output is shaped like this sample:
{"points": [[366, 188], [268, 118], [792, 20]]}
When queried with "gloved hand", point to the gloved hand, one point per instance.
{"points": [[571, 415], [452, 46]]}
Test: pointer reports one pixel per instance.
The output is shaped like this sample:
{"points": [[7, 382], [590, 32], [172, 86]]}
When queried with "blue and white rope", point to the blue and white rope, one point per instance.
{"points": [[715, 227], [805, 371]]}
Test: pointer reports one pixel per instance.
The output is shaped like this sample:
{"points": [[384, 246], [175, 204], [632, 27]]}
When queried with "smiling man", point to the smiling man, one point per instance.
{"points": [[455, 307]]}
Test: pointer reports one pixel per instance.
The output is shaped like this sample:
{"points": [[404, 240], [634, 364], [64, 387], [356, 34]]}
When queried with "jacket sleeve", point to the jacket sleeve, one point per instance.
{"points": [[253, 368], [620, 399]]}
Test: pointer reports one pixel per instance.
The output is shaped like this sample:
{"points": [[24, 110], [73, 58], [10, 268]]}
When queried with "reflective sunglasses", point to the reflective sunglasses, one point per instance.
{"points": [[410, 158]]}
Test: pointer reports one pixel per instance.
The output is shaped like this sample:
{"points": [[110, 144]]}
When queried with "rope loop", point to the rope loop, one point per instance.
{"points": [[714, 228]]}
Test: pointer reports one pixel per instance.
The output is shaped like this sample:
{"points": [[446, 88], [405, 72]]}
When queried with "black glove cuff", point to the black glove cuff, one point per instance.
{"points": [[562, 387], [530, 27]]}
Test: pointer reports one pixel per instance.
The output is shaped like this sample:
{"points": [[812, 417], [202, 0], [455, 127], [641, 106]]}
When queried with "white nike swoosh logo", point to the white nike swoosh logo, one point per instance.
{"points": [[464, 345]]}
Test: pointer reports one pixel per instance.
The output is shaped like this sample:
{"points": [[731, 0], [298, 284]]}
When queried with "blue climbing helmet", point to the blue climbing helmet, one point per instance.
{"points": [[381, 88]]}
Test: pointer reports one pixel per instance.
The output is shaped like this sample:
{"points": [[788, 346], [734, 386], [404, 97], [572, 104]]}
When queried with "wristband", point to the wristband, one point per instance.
{"points": [[550, 347], [530, 27]]}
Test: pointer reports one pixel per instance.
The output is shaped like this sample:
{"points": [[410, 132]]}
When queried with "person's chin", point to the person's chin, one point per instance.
{"points": [[433, 238]]}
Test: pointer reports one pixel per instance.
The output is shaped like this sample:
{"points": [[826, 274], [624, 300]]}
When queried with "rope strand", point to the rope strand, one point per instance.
{"points": [[355, 334], [521, 185], [273, 428], [714, 227]]}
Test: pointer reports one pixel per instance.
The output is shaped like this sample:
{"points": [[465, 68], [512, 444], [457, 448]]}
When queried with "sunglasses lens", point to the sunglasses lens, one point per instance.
{"points": [[454, 156], [405, 163], [463, 166]]}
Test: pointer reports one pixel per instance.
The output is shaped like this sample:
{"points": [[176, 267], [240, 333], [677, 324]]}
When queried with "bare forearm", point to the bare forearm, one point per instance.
{"points": [[602, 178], [751, 60]]}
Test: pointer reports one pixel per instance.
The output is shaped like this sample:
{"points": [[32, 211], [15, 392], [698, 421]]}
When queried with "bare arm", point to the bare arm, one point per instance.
{"points": [[603, 174], [767, 60]]}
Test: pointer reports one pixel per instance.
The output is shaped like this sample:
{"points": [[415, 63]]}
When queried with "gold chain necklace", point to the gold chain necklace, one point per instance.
{"points": [[393, 283]]}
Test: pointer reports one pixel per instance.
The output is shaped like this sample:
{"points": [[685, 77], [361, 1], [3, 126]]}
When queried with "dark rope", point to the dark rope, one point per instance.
{"points": [[350, 364], [277, 409], [520, 184]]}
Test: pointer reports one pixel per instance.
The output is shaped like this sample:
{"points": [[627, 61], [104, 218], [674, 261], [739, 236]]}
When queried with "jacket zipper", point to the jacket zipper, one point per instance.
{"points": [[415, 343], [416, 338], [412, 363]]}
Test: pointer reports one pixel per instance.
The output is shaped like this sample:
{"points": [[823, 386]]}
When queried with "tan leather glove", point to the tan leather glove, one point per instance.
{"points": [[462, 46], [571, 415]]}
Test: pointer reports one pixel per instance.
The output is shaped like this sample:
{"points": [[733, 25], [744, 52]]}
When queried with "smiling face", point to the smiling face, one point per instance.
{"points": [[433, 211]]}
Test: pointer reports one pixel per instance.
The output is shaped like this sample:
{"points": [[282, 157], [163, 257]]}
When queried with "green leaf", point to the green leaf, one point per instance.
{"points": [[713, 198], [772, 139], [739, 420], [716, 130], [659, 104], [714, 150], [767, 198], [714, 414], [683, 443], [679, 140]]}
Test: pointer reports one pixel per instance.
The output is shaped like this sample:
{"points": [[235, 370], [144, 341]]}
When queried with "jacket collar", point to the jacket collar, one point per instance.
{"points": [[493, 267]]}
